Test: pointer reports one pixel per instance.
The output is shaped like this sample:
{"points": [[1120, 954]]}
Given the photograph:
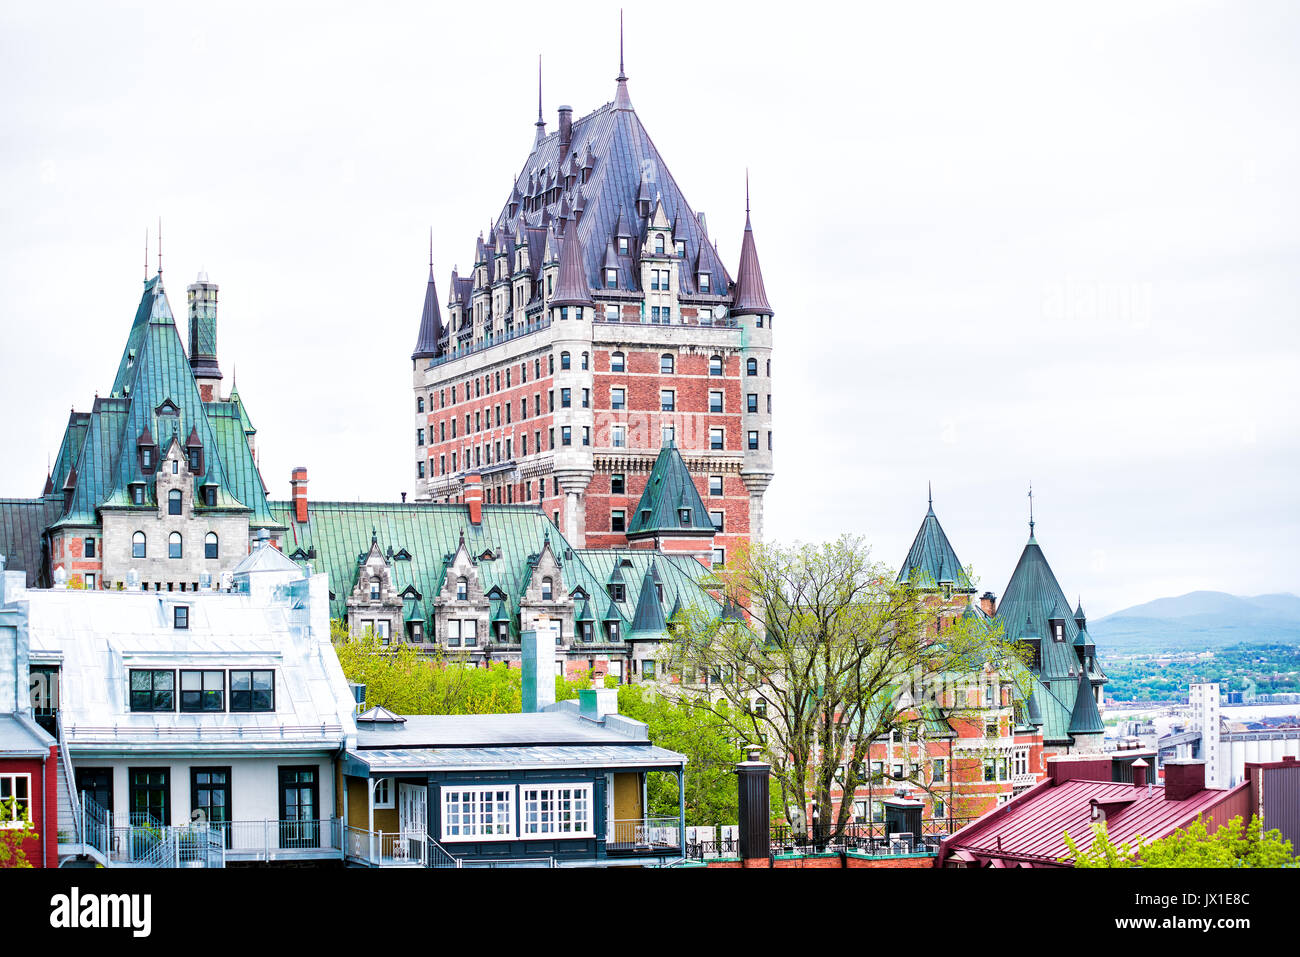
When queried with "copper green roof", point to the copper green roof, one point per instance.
{"points": [[649, 615], [669, 489], [1085, 718], [931, 560], [680, 577]]}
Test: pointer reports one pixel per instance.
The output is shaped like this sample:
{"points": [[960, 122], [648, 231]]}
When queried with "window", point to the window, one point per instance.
{"points": [[616, 484], [210, 545], [419, 436], [146, 459], [550, 438], [659, 244], [419, 469], [252, 691], [137, 494], [752, 402], [419, 403], [618, 436], [715, 401], [299, 807], [716, 518], [611, 627], [1021, 759], [667, 434], [564, 360], [939, 770], [203, 691], [584, 360], [469, 633], [152, 690], [566, 435], [149, 793], [753, 440], [679, 247], [684, 517], [89, 579], [622, 245], [717, 439], [586, 435], [210, 796], [584, 631], [566, 398], [88, 548], [715, 484], [617, 399], [616, 361], [453, 633], [550, 365], [174, 545], [666, 364], [174, 502], [478, 814], [648, 668], [586, 398], [546, 589], [556, 809], [990, 770], [16, 788], [462, 588], [667, 400], [751, 367], [611, 276], [719, 557], [550, 401], [181, 617]]}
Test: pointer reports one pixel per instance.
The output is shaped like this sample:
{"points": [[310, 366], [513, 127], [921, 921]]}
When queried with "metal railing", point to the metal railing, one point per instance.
{"points": [[145, 843], [511, 862], [396, 849], [705, 843], [96, 824], [459, 352], [650, 835]]}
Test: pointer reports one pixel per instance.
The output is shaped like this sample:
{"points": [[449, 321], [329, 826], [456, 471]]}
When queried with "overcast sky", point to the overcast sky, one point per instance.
{"points": [[1004, 243]]}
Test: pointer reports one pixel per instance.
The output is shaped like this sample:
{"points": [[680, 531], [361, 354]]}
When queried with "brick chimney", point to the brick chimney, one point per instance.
{"points": [[1184, 778], [474, 498], [299, 483], [988, 602]]}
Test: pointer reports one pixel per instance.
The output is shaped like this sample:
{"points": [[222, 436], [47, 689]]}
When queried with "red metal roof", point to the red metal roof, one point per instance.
{"points": [[1032, 826]]}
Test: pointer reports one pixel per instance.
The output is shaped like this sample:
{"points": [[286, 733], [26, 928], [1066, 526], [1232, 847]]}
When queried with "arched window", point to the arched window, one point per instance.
{"points": [[546, 589], [715, 365], [138, 545], [564, 360], [174, 545], [584, 360], [666, 364], [462, 588], [616, 362], [751, 367], [210, 545], [174, 502], [659, 244]]}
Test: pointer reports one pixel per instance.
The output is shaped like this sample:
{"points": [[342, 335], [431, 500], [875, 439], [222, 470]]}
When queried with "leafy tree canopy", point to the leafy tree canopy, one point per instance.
{"points": [[1232, 845]]}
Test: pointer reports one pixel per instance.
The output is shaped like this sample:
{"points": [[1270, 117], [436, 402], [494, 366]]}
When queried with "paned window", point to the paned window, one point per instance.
{"points": [[478, 814]]}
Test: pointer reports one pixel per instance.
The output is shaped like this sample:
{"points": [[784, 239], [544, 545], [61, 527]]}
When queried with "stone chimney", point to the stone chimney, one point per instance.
{"points": [[299, 483], [538, 647], [988, 602], [1140, 773], [566, 130], [474, 498], [1184, 778]]}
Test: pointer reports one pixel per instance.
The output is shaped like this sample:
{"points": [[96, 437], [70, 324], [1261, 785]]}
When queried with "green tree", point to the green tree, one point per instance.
{"points": [[1233, 845], [832, 655], [13, 838]]}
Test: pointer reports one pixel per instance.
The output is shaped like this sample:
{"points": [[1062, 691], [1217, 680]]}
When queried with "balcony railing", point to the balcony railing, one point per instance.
{"points": [[408, 848], [459, 352], [144, 843], [651, 835], [705, 843]]}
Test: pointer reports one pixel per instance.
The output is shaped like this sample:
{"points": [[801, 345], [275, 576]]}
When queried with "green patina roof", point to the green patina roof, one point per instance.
{"points": [[649, 615], [679, 576], [669, 489], [153, 379], [931, 559], [1085, 719]]}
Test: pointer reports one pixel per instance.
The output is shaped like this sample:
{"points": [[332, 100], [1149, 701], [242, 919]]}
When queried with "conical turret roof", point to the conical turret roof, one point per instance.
{"points": [[571, 288], [931, 559], [749, 296], [426, 343]]}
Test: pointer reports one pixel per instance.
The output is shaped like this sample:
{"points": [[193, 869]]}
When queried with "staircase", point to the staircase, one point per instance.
{"points": [[84, 829]]}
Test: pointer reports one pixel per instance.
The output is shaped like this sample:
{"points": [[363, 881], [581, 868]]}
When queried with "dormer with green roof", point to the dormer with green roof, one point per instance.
{"points": [[671, 515]]}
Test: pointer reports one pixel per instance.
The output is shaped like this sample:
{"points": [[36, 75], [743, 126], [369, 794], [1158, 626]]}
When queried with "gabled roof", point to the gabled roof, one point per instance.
{"points": [[669, 489], [931, 559]]}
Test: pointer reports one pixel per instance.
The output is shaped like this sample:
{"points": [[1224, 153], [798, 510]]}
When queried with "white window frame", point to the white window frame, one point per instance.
{"points": [[491, 813], [19, 804], [555, 820], [385, 794]]}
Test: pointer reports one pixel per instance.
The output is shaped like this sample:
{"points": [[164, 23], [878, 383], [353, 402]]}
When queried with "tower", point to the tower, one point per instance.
{"points": [[202, 296], [597, 326]]}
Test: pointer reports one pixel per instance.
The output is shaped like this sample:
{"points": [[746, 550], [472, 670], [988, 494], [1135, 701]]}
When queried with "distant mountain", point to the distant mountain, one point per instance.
{"points": [[1199, 620]]}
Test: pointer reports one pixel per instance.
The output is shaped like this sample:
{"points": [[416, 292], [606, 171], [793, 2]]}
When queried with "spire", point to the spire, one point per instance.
{"points": [[929, 487], [426, 343], [749, 294], [621, 99], [1031, 512], [932, 560], [541, 123], [571, 287]]}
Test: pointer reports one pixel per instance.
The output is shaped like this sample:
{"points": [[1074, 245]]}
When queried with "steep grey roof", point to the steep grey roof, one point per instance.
{"points": [[426, 343], [750, 295], [572, 289]]}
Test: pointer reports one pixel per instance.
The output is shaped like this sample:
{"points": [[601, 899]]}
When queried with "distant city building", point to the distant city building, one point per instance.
{"points": [[597, 326], [1206, 736]]}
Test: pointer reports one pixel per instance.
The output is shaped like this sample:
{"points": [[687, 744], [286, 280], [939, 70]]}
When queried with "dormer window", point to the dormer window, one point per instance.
{"points": [[622, 245], [210, 495], [546, 589], [374, 589], [462, 589], [611, 278], [659, 244], [174, 502], [616, 591], [146, 458], [680, 248], [684, 517], [137, 494], [704, 282]]}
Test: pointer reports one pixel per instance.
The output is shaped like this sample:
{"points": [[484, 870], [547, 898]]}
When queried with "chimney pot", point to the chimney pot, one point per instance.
{"points": [[1140, 773], [299, 484], [474, 498]]}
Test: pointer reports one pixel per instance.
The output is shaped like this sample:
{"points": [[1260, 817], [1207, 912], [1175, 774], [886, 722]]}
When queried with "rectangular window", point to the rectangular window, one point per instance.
{"points": [[618, 436], [717, 439], [586, 435], [550, 438], [617, 520], [419, 436], [938, 769], [566, 398], [15, 788], [715, 484], [181, 617], [752, 402], [617, 398], [990, 770], [753, 440], [153, 690], [478, 814], [210, 796], [586, 398], [716, 519], [667, 400], [616, 484], [566, 435], [149, 793], [89, 579], [556, 809], [715, 401], [89, 549], [453, 633], [469, 633], [252, 691], [719, 557], [648, 668], [299, 807], [203, 691]]}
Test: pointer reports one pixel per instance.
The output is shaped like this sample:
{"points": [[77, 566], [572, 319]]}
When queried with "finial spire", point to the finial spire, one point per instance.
{"points": [[1031, 509], [929, 488], [430, 250], [160, 245], [621, 99], [621, 74], [146, 254]]}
